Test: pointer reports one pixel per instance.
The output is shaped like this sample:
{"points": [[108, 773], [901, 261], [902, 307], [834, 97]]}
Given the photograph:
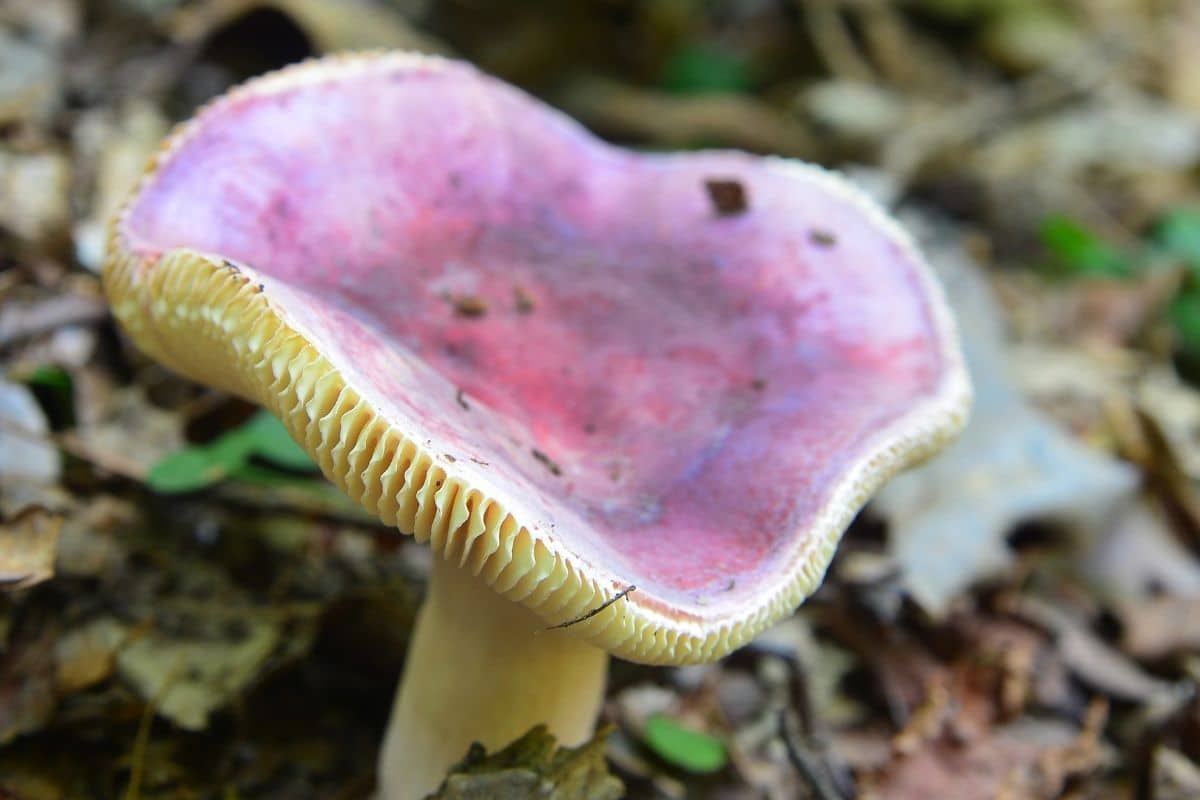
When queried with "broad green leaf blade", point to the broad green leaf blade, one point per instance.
{"points": [[1178, 233], [50, 376], [267, 438], [1081, 253], [203, 465], [194, 468], [690, 750], [1184, 313], [698, 68]]}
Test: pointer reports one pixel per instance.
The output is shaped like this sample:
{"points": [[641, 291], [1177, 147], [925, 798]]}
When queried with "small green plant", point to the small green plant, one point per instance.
{"points": [[55, 391], [231, 456], [1077, 252], [699, 67], [1080, 253], [693, 751]]}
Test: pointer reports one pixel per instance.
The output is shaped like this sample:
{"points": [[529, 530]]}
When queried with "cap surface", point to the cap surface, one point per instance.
{"points": [[559, 362]]}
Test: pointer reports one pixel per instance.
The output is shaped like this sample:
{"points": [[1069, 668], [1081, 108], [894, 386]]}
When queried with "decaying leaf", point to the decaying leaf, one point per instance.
{"points": [[823, 665], [86, 655], [949, 518], [533, 767], [26, 453], [29, 80], [129, 417], [28, 543], [187, 677], [1175, 408], [1140, 556], [1159, 627], [1092, 660], [34, 193], [116, 151], [27, 696], [1174, 776]]}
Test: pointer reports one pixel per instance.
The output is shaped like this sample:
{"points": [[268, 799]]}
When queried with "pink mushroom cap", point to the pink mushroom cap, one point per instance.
{"points": [[558, 361]]}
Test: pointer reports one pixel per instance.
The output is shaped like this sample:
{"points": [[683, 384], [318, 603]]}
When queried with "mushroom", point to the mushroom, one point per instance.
{"points": [[630, 400]]}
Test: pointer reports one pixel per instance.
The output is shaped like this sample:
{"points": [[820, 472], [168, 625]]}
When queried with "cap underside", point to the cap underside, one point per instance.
{"points": [[558, 361]]}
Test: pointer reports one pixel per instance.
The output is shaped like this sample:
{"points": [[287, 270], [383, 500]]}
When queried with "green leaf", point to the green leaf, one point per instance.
{"points": [[268, 439], [1081, 253], [194, 468], [1184, 313], [51, 377], [1178, 233], [229, 455], [690, 750], [54, 389], [699, 67]]}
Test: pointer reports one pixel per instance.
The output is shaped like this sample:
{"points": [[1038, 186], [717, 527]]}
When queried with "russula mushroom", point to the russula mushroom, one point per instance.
{"points": [[630, 400]]}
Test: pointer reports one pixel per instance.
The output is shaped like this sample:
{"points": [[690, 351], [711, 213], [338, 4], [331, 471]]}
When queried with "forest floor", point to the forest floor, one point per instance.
{"points": [[1020, 618]]}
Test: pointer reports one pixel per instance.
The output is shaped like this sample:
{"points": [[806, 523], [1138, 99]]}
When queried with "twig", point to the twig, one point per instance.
{"points": [[19, 322], [594, 611], [142, 740], [833, 41], [731, 120], [809, 769]]}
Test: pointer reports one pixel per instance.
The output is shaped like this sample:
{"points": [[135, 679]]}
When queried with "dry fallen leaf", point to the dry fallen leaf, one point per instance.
{"points": [[188, 677], [26, 453], [949, 518], [1174, 776], [1092, 660], [86, 655], [34, 194], [1174, 406], [30, 78], [1161, 626], [1139, 556], [28, 543]]}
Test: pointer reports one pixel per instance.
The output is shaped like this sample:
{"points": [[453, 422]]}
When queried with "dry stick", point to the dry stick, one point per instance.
{"points": [[141, 740], [833, 41], [594, 611], [810, 770], [24, 322]]}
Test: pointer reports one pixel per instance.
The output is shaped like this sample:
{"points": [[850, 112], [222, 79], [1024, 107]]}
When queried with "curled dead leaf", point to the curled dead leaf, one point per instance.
{"points": [[28, 543]]}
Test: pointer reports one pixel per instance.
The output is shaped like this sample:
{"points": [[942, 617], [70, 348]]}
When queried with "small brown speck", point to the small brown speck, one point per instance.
{"points": [[728, 196], [261, 288], [449, 457], [478, 461], [729, 587], [469, 306], [614, 473], [230, 265], [522, 300], [545, 459], [822, 238], [758, 384], [589, 428], [460, 397]]}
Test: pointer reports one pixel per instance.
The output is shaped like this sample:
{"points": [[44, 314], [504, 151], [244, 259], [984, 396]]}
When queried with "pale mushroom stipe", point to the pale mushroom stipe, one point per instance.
{"points": [[630, 400]]}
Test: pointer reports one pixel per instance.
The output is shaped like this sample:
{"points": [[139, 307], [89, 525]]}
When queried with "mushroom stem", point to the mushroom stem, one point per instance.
{"points": [[481, 668]]}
